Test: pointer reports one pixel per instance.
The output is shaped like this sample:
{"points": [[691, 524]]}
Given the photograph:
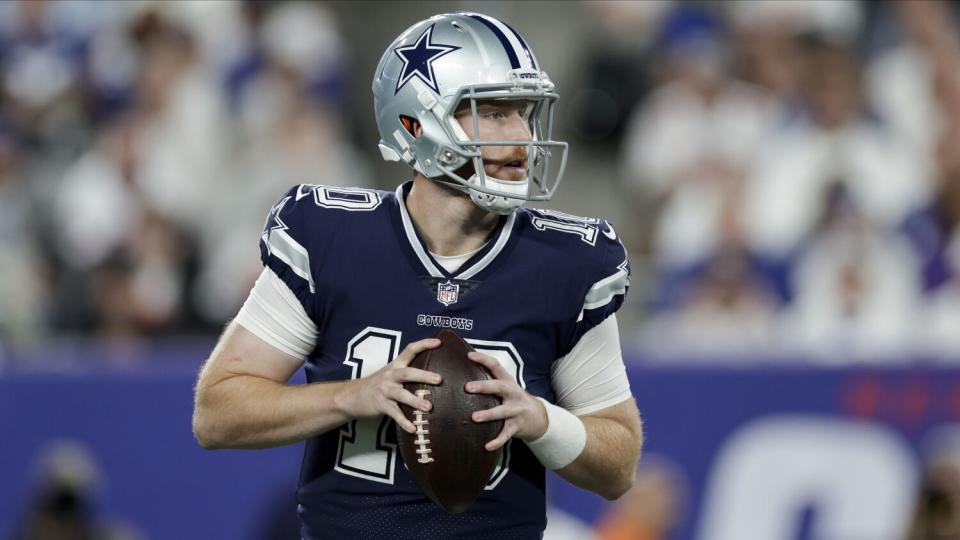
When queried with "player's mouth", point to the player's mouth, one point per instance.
{"points": [[515, 169]]}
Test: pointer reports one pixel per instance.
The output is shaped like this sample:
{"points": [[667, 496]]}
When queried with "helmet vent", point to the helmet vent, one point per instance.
{"points": [[409, 123]]}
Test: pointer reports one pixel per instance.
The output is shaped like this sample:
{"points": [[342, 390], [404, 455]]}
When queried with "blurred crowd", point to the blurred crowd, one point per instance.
{"points": [[795, 171], [141, 144], [790, 170]]}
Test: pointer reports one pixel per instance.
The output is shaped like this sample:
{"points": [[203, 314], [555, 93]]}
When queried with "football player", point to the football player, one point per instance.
{"points": [[355, 281]]}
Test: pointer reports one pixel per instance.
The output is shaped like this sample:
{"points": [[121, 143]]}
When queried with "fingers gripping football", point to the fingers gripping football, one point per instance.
{"points": [[523, 415], [382, 392]]}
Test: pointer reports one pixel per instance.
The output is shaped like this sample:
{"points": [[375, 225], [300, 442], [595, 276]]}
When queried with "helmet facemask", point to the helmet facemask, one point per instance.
{"points": [[545, 158]]}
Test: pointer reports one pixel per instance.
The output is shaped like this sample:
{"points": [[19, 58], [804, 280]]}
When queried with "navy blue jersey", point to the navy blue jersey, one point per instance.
{"points": [[355, 261]]}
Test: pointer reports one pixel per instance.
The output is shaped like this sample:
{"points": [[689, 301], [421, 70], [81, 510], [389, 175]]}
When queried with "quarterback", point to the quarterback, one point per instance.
{"points": [[355, 280]]}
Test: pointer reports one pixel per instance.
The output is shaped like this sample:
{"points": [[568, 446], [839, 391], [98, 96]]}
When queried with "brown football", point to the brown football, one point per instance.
{"points": [[446, 456]]}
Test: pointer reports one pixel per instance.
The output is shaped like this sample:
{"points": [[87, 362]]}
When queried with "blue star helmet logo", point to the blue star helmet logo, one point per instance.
{"points": [[418, 60]]}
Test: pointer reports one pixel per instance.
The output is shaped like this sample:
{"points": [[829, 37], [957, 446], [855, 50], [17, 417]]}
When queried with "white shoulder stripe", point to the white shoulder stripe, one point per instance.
{"points": [[605, 290], [284, 247]]}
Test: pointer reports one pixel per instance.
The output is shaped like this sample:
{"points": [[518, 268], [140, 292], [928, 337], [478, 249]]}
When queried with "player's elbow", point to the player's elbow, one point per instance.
{"points": [[616, 488], [204, 432], [206, 429], [204, 436], [623, 477]]}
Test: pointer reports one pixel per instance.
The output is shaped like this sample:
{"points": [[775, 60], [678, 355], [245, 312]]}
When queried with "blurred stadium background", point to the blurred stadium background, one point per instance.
{"points": [[786, 176]]}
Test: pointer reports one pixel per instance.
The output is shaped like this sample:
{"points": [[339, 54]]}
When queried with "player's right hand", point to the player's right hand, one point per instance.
{"points": [[382, 392]]}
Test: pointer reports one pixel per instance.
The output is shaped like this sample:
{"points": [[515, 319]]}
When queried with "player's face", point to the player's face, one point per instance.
{"points": [[501, 120]]}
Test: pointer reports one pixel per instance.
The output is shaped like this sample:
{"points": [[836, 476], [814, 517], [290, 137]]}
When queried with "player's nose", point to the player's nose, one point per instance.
{"points": [[518, 128]]}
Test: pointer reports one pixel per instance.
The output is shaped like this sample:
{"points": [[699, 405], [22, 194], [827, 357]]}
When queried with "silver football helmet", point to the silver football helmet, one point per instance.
{"points": [[425, 75]]}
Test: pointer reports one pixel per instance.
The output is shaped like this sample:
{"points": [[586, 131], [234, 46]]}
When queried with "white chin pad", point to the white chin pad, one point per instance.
{"points": [[513, 187], [498, 203]]}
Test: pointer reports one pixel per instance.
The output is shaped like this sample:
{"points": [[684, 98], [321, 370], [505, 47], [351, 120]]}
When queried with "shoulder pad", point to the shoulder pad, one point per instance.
{"points": [[594, 244], [297, 222]]}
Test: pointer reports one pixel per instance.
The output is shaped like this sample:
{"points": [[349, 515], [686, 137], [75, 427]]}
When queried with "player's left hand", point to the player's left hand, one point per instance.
{"points": [[523, 415]]}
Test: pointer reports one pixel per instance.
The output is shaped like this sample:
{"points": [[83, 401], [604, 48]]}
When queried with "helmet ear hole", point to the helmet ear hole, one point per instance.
{"points": [[411, 124]]}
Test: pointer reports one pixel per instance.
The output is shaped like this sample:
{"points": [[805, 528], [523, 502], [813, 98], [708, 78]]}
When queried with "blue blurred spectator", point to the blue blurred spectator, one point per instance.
{"points": [[856, 289], [836, 137], [288, 92], [724, 310], [936, 232], [688, 146], [42, 70]]}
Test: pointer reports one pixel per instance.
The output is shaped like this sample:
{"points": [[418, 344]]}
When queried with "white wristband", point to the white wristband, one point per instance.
{"points": [[564, 439]]}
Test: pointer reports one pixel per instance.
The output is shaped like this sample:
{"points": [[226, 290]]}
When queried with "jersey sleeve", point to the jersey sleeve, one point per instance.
{"points": [[592, 376], [283, 245], [273, 313], [608, 281]]}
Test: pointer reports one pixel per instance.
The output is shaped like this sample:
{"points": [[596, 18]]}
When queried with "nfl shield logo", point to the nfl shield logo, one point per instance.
{"points": [[448, 293]]}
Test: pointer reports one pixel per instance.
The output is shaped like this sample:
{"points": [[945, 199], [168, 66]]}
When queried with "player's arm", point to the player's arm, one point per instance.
{"points": [[242, 397], [593, 437], [607, 464]]}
